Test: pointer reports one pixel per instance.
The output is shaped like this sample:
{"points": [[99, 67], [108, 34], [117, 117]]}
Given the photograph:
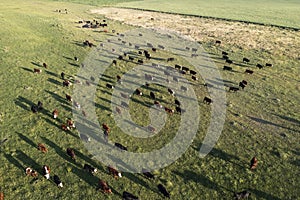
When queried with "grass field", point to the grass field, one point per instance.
{"points": [[278, 12], [263, 120]]}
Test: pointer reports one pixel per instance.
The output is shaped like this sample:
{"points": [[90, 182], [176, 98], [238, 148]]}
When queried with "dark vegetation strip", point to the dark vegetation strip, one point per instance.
{"points": [[216, 18]]}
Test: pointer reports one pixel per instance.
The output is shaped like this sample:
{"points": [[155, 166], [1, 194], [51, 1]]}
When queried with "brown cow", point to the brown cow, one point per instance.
{"points": [[253, 163], [114, 172], [42, 148], [69, 98], [31, 172], [106, 127], [35, 70], [71, 153], [55, 113], [104, 187]]}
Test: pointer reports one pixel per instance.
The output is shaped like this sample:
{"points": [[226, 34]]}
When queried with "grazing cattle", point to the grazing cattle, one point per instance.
{"points": [[192, 72], [46, 171], [85, 137], [69, 98], [119, 78], [242, 195], [253, 163], [246, 60], [124, 104], [194, 78], [129, 196], [183, 88], [148, 77], [109, 86], [151, 129], [163, 190], [57, 181], [244, 82], [71, 153], [148, 56], [147, 174], [124, 95], [140, 61], [89, 168], [177, 102], [66, 83], [42, 148], [76, 59], [120, 57], [248, 71], [87, 83], [269, 65], [114, 172], [170, 59], [207, 100], [259, 66], [227, 68], [154, 49], [177, 66], [44, 65], [31, 172], [40, 105], [106, 127], [242, 85], [178, 109], [228, 61], [140, 52], [62, 75], [34, 108], [35, 70], [120, 146], [2, 196], [224, 53], [118, 110], [233, 89], [77, 105], [84, 113], [131, 58], [160, 46], [114, 62], [171, 91], [157, 104], [104, 187], [185, 69], [194, 49], [65, 127], [169, 110], [70, 123], [218, 42], [225, 57], [152, 95], [138, 92]]}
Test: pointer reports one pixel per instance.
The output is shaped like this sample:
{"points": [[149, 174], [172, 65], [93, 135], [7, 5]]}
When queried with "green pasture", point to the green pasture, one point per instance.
{"points": [[262, 121], [276, 12]]}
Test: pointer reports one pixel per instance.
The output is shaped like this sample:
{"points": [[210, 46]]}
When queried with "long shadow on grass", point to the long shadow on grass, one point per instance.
{"points": [[51, 73], [37, 64], [189, 175], [59, 151], [89, 160], [263, 195], [15, 162], [27, 69], [28, 161], [27, 140], [85, 176], [57, 97], [290, 119], [56, 82], [24, 103], [262, 121]]}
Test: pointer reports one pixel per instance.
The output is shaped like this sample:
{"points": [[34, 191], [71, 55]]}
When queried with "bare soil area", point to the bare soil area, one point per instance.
{"points": [[273, 40]]}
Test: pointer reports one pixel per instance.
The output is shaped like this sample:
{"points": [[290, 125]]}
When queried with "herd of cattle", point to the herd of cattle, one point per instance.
{"points": [[144, 56]]}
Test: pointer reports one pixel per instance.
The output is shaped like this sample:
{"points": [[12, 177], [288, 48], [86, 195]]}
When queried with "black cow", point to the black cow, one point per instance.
{"points": [[140, 61], [163, 190], [194, 78], [227, 68], [34, 108], [228, 61], [89, 168], [114, 62], [177, 66], [185, 69], [147, 173], [269, 65], [233, 89], [129, 196], [171, 91], [40, 105], [177, 102], [193, 72], [170, 59], [120, 146], [152, 95], [218, 42], [259, 66], [242, 85], [178, 109], [109, 86], [225, 57], [62, 75], [246, 60], [138, 92], [207, 100], [57, 181], [248, 71], [224, 53]]}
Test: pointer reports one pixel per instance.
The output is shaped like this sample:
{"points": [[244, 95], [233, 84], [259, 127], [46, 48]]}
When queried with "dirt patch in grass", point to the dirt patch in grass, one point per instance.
{"points": [[244, 36]]}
